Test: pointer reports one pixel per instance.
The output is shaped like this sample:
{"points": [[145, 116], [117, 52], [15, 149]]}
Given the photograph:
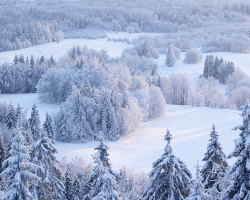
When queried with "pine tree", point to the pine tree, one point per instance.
{"points": [[170, 57], [169, 177], [62, 129], [68, 183], [215, 159], [209, 65], [2, 158], [11, 117], [48, 128], [35, 125], [26, 133], [103, 180], [240, 189], [198, 192], [51, 185], [16, 60], [109, 123], [19, 115], [76, 189], [32, 61], [18, 171]]}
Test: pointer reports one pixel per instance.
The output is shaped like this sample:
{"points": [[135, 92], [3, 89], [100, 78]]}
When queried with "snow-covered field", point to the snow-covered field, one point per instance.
{"points": [[59, 49], [190, 126]]}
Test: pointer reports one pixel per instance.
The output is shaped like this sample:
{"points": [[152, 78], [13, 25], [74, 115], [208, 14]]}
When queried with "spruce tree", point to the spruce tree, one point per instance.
{"points": [[19, 115], [103, 180], [76, 189], [11, 117], [169, 177], [51, 185], [34, 122], [215, 159], [198, 192], [18, 171], [68, 183], [48, 128], [2, 158], [61, 127], [208, 66], [109, 123], [240, 171], [170, 57]]}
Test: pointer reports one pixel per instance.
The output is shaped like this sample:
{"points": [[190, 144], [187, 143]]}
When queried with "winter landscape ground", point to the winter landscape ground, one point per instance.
{"points": [[124, 100], [190, 126]]}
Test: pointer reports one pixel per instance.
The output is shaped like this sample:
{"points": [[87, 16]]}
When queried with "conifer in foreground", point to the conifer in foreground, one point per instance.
{"points": [[215, 159], [169, 177]]}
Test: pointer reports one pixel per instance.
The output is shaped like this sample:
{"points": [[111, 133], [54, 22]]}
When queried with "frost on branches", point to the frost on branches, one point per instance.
{"points": [[169, 177], [198, 192], [216, 163], [103, 180], [19, 173], [240, 189]]}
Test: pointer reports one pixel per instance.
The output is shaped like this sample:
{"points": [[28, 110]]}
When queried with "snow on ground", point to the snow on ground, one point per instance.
{"points": [[114, 49], [27, 100], [195, 70], [190, 127]]}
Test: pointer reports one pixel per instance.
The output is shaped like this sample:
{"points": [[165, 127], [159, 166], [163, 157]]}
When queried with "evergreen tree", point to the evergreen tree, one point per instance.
{"points": [[103, 180], [26, 134], [170, 57], [62, 129], [18, 170], [209, 65], [76, 189], [16, 60], [109, 123], [68, 183], [11, 117], [32, 61], [198, 192], [35, 125], [19, 115], [240, 189], [2, 158], [51, 185], [48, 128], [169, 177], [215, 159]]}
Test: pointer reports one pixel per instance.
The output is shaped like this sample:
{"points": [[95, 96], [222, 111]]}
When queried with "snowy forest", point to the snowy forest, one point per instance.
{"points": [[186, 56]]}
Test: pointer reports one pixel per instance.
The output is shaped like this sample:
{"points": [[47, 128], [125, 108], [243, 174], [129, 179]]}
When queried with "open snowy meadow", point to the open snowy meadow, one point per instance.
{"points": [[190, 126]]}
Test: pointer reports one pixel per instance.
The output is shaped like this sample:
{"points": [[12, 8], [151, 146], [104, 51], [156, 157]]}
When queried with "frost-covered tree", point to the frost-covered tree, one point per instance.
{"points": [[48, 128], [51, 185], [109, 123], [62, 126], [240, 171], [198, 191], [103, 179], [193, 56], [68, 184], [209, 64], [170, 57], [11, 117], [169, 176], [19, 171], [2, 157], [76, 189], [35, 124], [215, 161]]}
